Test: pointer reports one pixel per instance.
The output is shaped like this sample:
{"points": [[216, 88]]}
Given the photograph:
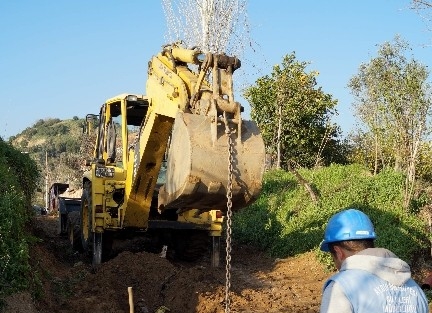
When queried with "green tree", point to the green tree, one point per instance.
{"points": [[295, 116], [392, 101]]}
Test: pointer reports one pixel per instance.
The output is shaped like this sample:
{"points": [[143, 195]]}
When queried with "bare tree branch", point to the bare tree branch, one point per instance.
{"points": [[302, 181]]}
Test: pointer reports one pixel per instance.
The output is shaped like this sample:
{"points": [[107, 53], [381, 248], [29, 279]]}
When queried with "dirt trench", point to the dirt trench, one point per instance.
{"points": [[258, 282]]}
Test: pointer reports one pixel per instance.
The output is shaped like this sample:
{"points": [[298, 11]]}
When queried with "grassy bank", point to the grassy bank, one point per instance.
{"points": [[285, 221]]}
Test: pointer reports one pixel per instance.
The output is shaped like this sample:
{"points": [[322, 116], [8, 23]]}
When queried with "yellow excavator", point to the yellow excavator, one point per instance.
{"points": [[172, 163]]}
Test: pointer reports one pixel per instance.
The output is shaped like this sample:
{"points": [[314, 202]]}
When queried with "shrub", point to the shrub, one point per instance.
{"points": [[19, 176]]}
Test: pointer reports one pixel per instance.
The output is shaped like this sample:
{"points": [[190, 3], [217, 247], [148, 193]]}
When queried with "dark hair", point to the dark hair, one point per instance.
{"points": [[352, 245]]}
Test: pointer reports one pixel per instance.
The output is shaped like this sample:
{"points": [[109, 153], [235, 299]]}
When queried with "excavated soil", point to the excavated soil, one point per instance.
{"points": [[258, 282]]}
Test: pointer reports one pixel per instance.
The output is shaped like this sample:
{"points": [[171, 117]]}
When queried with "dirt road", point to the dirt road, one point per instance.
{"points": [[258, 283]]}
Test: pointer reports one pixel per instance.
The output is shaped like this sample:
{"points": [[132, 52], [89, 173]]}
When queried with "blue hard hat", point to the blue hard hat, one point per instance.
{"points": [[350, 224]]}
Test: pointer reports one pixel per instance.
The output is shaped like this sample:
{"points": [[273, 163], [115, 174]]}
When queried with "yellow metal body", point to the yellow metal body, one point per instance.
{"points": [[136, 138]]}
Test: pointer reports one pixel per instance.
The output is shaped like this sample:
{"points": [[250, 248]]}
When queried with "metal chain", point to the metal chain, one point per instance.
{"points": [[228, 216]]}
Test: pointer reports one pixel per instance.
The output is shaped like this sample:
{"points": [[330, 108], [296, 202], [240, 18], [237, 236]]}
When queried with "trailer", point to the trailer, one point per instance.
{"points": [[61, 202]]}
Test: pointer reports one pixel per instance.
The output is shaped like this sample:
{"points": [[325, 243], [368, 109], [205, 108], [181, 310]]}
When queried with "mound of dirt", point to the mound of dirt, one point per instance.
{"points": [[258, 283]]}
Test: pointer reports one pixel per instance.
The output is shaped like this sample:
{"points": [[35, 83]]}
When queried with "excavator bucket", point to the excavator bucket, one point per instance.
{"points": [[198, 166]]}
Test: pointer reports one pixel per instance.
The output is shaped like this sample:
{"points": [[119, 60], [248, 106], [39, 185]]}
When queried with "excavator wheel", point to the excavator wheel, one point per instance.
{"points": [[72, 228], [190, 245], [86, 218]]}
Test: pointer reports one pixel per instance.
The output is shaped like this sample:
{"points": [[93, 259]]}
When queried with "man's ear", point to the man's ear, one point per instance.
{"points": [[340, 253]]}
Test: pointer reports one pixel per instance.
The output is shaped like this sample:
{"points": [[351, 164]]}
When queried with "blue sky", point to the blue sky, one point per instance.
{"points": [[60, 59]]}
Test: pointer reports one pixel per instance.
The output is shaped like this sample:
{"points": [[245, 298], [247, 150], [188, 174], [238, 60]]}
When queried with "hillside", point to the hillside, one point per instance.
{"points": [[56, 147]]}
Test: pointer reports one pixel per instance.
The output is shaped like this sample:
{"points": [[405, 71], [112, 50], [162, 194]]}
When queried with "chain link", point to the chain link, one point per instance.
{"points": [[228, 219]]}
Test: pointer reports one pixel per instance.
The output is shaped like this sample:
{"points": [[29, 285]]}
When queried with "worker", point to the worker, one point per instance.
{"points": [[369, 279]]}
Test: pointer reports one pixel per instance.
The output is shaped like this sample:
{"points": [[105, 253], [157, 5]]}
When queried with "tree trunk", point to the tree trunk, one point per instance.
{"points": [[303, 181], [411, 167], [376, 155], [279, 138]]}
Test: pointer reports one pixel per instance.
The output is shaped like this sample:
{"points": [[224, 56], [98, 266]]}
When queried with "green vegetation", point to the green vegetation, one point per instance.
{"points": [[19, 176], [393, 102], [285, 221]]}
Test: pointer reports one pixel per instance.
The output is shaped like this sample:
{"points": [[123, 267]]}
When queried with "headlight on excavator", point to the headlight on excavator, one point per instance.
{"points": [[104, 172], [132, 98]]}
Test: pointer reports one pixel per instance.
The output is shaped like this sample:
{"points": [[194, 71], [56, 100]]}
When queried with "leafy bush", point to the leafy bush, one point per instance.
{"points": [[19, 176], [285, 221]]}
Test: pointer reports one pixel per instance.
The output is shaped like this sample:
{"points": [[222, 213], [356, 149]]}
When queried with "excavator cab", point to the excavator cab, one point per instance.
{"points": [[112, 137]]}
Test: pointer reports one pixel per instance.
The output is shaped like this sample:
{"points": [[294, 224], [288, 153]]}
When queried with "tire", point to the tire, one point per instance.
{"points": [[73, 230], [191, 245], [86, 218], [97, 249]]}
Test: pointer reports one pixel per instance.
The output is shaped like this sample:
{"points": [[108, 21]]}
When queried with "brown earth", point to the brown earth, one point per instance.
{"points": [[258, 282]]}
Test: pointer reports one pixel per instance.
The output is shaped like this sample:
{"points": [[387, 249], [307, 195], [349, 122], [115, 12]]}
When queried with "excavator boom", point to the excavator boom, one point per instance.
{"points": [[196, 113]]}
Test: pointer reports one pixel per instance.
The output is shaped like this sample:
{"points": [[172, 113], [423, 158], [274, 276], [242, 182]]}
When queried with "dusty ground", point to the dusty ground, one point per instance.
{"points": [[258, 283]]}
